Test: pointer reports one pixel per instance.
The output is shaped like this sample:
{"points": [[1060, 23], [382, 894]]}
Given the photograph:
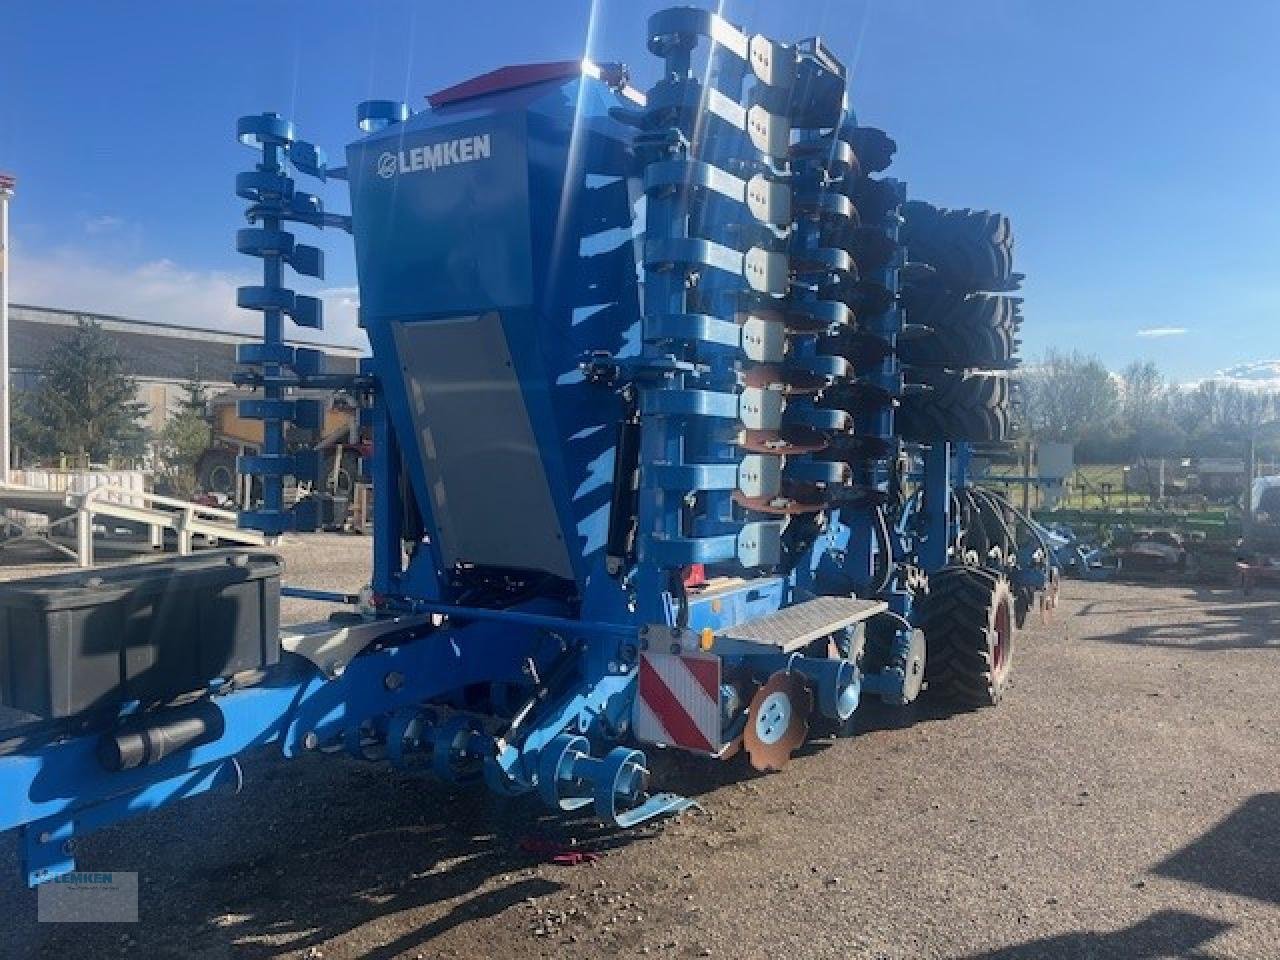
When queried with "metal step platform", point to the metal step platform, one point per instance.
{"points": [[793, 628]]}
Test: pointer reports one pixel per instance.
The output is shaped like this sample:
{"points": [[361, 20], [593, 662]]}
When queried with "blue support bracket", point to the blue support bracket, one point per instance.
{"points": [[48, 844]]}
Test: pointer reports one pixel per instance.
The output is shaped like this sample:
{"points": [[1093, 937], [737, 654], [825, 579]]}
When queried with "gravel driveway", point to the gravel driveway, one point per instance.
{"points": [[1124, 802]]}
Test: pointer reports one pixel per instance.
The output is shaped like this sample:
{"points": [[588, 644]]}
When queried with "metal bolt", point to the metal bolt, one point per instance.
{"points": [[393, 680]]}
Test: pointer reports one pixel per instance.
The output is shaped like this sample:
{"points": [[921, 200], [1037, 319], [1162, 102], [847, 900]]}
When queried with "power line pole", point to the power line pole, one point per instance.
{"points": [[1250, 468], [7, 183]]}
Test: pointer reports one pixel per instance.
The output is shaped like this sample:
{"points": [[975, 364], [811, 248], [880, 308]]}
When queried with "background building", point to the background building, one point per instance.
{"points": [[160, 356]]}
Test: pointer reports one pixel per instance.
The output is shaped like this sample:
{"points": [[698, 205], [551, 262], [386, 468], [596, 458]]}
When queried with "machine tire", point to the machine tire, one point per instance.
{"points": [[216, 471], [1024, 600], [968, 249], [871, 248], [966, 331], [969, 633], [961, 406], [936, 306], [873, 198], [872, 146]]}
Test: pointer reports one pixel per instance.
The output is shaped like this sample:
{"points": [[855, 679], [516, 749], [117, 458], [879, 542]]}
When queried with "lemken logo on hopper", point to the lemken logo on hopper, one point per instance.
{"points": [[434, 156]]}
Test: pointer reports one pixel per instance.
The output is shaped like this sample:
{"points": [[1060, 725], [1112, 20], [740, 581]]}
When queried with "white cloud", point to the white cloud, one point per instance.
{"points": [[1259, 374], [161, 291], [1252, 375], [344, 298], [1162, 332]]}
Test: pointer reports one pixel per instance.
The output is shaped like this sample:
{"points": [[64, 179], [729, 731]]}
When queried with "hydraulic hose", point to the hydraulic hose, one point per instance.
{"points": [[985, 496], [886, 548], [899, 618], [1026, 521]]}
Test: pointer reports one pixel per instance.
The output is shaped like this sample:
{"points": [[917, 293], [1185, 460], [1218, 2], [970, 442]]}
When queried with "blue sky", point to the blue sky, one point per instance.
{"points": [[1134, 144]]}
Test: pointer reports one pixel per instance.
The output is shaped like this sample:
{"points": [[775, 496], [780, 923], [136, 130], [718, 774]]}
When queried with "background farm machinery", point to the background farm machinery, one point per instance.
{"points": [[1258, 559], [672, 401], [337, 443]]}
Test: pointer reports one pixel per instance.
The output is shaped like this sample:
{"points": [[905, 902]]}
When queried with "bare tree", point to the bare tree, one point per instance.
{"points": [[1144, 395], [1225, 409], [1068, 395]]}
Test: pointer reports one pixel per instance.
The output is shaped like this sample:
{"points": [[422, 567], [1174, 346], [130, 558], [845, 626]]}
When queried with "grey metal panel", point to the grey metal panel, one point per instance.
{"points": [[793, 627], [489, 491]]}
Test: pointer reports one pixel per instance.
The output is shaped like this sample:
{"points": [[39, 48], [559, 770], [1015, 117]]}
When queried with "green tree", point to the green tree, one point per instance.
{"points": [[85, 403], [179, 445], [185, 437], [195, 396]]}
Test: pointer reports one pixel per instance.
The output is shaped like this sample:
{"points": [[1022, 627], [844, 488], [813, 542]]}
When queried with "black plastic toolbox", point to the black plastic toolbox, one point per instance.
{"points": [[75, 644]]}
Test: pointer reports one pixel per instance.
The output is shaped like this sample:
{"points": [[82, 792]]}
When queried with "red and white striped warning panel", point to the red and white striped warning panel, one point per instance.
{"points": [[678, 701]]}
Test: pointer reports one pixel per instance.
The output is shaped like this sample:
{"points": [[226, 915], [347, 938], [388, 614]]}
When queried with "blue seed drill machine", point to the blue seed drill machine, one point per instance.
{"points": [[673, 403]]}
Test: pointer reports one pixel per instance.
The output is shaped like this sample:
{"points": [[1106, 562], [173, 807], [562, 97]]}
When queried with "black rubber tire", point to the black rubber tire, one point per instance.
{"points": [[216, 471], [960, 406], [873, 198], [872, 146], [969, 249], [871, 248], [975, 330], [969, 628], [1023, 601], [864, 297], [929, 303]]}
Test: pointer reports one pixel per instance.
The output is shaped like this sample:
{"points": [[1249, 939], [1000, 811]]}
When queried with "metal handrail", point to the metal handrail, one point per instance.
{"points": [[156, 511]]}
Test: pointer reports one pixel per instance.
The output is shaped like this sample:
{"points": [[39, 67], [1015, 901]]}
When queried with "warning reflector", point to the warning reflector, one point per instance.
{"points": [[678, 701]]}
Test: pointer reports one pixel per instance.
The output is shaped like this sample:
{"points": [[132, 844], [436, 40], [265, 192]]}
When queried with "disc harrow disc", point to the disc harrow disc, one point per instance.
{"points": [[777, 721]]}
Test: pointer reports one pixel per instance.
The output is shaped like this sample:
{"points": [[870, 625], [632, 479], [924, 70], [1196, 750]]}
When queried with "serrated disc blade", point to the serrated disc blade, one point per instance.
{"points": [[777, 721]]}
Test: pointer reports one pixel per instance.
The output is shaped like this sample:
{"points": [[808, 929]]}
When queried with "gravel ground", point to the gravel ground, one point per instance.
{"points": [[1124, 802]]}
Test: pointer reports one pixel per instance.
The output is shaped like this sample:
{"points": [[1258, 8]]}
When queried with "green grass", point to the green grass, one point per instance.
{"points": [[1091, 487]]}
